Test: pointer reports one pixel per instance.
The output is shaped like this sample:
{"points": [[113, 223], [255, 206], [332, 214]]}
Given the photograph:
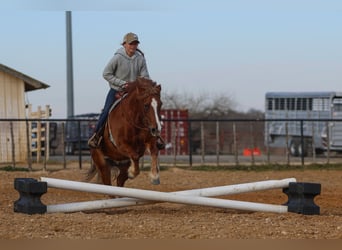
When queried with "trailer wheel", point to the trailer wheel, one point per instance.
{"points": [[294, 149], [69, 148], [303, 149]]}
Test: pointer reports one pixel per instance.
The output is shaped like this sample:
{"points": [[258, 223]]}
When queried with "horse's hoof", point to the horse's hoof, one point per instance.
{"points": [[155, 181]]}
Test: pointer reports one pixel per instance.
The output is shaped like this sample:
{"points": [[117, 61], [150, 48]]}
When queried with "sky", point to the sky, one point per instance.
{"points": [[240, 48]]}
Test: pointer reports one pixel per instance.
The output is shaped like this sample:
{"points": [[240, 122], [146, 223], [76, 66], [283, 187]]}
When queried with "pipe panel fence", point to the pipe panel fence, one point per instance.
{"points": [[216, 142]]}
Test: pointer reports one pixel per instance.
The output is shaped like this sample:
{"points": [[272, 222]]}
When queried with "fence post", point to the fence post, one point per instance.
{"points": [[217, 143], [235, 145], [202, 143], [190, 142], [252, 143], [47, 133], [313, 142], [328, 143], [28, 140], [267, 143], [45, 147], [174, 142], [79, 144], [63, 143], [287, 149], [12, 144], [39, 135], [302, 140]]}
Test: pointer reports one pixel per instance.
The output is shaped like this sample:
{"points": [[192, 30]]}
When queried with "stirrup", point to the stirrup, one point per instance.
{"points": [[94, 141], [160, 144]]}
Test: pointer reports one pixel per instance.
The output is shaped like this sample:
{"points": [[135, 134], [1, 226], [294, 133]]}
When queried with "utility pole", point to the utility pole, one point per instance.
{"points": [[70, 77]]}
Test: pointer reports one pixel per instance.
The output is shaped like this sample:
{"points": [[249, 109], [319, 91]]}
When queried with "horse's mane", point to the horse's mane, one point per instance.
{"points": [[144, 87]]}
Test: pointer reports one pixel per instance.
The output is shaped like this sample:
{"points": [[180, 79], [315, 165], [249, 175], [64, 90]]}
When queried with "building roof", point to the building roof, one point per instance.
{"points": [[30, 83]]}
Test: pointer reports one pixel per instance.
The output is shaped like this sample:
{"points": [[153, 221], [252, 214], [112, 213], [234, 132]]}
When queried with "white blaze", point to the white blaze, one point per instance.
{"points": [[154, 105]]}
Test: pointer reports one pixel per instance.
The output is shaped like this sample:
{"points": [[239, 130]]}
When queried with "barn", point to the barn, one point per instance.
{"points": [[13, 135]]}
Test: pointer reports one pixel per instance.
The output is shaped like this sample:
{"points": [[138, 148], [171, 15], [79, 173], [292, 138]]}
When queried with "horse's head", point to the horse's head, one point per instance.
{"points": [[148, 104]]}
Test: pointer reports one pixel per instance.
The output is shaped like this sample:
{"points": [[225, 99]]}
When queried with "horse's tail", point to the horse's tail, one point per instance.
{"points": [[92, 171]]}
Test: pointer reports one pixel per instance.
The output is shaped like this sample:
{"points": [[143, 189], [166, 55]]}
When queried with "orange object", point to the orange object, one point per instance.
{"points": [[249, 152]]}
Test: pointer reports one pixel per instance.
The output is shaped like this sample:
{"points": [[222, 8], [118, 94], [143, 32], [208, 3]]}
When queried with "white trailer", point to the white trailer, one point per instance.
{"points": [[304, 121]]}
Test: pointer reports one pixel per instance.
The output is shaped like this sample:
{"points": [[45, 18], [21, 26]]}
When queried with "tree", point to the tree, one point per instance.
{"points": [[220, 106], [203, 105]]}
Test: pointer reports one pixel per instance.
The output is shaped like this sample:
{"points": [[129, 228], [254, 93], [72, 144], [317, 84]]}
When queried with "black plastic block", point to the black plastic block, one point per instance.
{"points": [[301, 197], [30, 191]]}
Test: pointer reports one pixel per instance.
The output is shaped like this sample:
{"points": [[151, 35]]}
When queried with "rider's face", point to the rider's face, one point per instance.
{"points": [[131, 48]]}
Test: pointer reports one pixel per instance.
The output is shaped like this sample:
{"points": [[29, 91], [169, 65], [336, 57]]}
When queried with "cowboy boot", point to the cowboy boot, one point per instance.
{"points": [[95, 140], [160, 143]]}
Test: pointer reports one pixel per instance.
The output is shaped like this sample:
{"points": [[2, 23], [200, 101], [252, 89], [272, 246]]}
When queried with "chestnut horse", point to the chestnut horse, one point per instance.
{"points": [[132, 128]]}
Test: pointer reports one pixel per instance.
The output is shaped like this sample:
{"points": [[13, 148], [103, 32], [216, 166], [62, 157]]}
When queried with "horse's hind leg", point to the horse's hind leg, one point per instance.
{"points": [[133, 170], [123, 176], [102, 166]]}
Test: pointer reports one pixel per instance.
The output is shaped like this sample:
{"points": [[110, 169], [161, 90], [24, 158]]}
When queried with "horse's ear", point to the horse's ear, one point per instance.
{"points": [[159, 87]]}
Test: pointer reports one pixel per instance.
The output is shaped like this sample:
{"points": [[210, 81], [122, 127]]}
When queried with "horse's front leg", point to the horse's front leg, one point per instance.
{"points": [[154, 174]]}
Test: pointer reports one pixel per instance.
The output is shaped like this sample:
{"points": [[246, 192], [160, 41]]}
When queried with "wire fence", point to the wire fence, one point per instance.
{"points": [[220, 142]]}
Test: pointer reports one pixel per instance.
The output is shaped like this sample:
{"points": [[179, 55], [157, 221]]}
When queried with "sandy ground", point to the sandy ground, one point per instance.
{"points": [[176, 221]]}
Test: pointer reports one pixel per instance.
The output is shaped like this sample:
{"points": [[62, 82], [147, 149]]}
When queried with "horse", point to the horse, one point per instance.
{"points": [[132, 128]]}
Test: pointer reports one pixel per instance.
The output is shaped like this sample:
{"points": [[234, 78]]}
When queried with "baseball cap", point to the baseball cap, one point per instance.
{"points": [[130, 37]]}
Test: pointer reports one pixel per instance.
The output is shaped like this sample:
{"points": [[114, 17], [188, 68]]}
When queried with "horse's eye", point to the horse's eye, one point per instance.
{"points": [[146, 107]]}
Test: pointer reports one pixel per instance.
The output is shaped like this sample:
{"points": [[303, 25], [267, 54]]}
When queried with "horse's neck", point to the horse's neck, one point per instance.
{"points": [[130, 108]]}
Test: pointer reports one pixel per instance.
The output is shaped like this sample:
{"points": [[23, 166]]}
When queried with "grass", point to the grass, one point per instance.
{"points": [[257, 168], [270, 167], [13, 169]]}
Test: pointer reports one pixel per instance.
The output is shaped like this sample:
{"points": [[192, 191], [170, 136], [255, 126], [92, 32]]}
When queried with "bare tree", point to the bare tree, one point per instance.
{"points": [[203, 105], [208, 105]]}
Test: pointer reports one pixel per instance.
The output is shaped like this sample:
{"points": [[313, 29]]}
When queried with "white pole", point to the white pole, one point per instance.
{"points": [[206, 192], [94, 205], [239, 188], [176, 197]]}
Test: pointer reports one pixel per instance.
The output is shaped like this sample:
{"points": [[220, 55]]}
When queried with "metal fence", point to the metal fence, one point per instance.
{"points": [[220, 142]]}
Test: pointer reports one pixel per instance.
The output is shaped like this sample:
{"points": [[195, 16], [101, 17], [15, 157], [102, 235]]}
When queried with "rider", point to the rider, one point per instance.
{"points": [[127, 64]]}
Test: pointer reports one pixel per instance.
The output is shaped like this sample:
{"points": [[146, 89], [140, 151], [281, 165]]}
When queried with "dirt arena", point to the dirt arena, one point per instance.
{"points": [[177, 221]]}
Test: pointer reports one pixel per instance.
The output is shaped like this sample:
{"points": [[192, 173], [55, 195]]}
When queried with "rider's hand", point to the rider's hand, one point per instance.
{"points": [[123, 87], [121, 91], [119, 94]]}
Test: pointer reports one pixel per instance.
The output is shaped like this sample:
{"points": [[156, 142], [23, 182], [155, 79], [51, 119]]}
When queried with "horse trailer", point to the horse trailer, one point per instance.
{"points": [[304, 122], [78, 130]]}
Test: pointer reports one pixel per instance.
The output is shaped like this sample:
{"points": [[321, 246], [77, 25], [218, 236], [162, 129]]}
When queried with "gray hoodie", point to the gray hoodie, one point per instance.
{"points": [[122, 68]]}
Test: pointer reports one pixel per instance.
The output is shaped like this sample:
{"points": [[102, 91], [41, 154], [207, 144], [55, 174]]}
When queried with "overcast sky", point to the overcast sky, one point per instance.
{"points": [[242, 49]]}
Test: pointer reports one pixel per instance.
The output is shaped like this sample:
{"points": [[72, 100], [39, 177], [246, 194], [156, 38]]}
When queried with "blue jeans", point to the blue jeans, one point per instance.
{"points": [[110, 99]]}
